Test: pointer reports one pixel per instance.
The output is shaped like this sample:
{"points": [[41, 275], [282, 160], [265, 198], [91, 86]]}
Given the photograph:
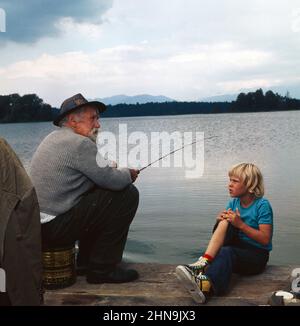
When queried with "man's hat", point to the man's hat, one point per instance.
{"points": [[75, 102]]}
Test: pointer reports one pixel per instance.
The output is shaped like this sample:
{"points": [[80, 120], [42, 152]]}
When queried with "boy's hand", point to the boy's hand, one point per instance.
{"points": [[234, 218], [222, 215]]}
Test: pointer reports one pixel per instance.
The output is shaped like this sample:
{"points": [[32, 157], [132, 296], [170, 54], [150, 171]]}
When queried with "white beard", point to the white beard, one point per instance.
{"points": [[93, 134]]}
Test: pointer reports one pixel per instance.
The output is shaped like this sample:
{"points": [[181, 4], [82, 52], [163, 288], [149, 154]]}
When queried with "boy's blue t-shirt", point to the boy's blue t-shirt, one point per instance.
{"points": [[259, 212]]}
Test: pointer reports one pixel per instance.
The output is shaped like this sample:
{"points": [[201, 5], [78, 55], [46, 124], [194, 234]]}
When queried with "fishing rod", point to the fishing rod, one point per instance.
{"points": [[176, 150]]}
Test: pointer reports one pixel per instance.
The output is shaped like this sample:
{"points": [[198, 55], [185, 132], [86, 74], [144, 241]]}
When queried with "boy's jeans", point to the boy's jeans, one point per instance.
{"points": [[235, 256]]}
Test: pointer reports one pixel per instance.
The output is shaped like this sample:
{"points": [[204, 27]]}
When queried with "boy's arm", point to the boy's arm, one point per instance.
{"points": [[262, 235]]}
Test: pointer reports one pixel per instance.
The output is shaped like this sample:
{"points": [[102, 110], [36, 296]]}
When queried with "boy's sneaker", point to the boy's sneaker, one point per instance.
{"points": [[200, 266], [198, 286]]}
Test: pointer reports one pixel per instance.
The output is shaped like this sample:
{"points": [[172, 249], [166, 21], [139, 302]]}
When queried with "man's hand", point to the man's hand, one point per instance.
{"points": [[134, 174], [113, 164]]}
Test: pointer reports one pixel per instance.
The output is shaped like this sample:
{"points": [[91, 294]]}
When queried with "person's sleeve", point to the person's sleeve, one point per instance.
{"points": [[99, 170], [265, 213]]}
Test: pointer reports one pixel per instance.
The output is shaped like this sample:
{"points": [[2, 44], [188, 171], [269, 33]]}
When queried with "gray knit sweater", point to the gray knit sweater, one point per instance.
{"points": [[64, 167]]}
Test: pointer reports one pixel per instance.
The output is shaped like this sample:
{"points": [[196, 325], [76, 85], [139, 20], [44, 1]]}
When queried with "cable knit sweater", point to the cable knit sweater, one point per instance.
{"points": [[64, 167]]}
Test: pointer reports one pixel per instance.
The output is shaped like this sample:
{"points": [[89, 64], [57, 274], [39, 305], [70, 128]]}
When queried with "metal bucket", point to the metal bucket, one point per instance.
{"points": [[59, 267]]}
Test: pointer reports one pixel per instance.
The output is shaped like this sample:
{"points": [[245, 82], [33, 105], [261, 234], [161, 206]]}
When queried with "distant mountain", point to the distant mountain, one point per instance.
{"points": [[141, 99], [220, 98]]}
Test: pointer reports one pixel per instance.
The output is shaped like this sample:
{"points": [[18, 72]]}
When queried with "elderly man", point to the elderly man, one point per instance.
{"points": [[80, 200]]}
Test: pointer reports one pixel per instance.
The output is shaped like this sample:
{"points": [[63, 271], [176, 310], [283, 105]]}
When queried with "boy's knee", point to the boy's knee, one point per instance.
{"points": [[220, 225]]}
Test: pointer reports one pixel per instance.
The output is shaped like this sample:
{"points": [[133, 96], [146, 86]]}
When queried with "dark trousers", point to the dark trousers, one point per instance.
{"points": [[235, 256], [100, 221]]}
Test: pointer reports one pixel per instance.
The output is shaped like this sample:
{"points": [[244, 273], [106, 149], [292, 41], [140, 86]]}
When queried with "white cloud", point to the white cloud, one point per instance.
{"points": [[69, 26], [224, 55], [49, 67], [132, 70], [185, 51]]}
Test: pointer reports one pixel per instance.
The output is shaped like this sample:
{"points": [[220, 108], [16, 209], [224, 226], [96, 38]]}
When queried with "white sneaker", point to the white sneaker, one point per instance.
{"points": [[199, 266], [189, 281]]}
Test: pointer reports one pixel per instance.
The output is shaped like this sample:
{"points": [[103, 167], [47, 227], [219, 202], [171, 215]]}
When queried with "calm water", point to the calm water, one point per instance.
{"points": [[174, 220]]}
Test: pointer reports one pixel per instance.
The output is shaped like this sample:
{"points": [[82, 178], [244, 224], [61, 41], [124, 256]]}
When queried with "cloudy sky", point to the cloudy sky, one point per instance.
{"points": [[183, 49]]}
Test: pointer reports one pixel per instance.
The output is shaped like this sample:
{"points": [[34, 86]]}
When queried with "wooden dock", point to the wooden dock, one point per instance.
{"points": [[159, 286]]}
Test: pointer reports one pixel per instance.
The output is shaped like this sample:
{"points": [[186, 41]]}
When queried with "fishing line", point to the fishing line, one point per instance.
{"points": [[176, 150]]}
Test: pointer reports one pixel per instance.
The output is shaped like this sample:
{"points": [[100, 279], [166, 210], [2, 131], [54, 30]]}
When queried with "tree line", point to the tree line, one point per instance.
{"points": [[30, 108], [16, 108], [258, 101]]}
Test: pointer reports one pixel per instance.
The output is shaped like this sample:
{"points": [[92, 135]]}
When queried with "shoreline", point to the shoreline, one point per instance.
{"points": [[166, 115]]}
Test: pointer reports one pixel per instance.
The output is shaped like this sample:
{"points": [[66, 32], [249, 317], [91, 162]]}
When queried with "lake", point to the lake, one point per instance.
{"points": [[176, 214]]}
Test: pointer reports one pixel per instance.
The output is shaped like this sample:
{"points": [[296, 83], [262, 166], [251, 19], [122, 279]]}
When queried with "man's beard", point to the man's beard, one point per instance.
{"points": [[93, 134]]}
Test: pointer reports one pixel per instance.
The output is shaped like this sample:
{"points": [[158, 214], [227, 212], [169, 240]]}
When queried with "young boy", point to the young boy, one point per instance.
{"points": [[241, 241]]}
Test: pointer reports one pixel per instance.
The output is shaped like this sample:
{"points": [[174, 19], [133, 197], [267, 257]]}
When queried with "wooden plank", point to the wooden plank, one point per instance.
{"points": [[158, 285]]}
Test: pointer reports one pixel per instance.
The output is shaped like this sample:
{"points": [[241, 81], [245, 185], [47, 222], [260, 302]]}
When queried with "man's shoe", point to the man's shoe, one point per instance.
{"points": [[118, 275], [197, 285]]}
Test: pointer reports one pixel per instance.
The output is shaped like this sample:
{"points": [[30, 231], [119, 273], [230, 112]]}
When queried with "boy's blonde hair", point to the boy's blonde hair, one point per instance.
{"points": [[251, 177]]}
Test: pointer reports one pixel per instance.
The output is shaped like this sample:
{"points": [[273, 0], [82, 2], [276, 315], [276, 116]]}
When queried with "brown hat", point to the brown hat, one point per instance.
{"points": [[75, 102]]}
